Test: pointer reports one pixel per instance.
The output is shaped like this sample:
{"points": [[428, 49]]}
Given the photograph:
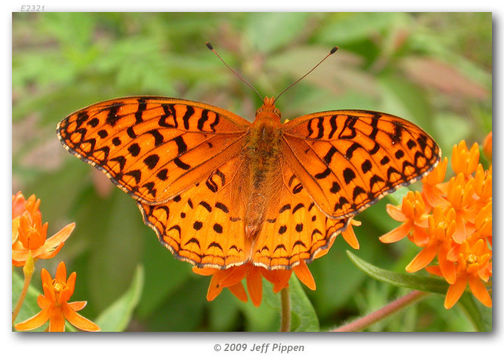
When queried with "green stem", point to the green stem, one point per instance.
{"points": [[286, 311], [28, 270], [382, 313]]}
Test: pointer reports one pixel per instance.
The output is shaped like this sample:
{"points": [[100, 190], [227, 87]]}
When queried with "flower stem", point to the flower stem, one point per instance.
{"points": [[28, 270], [382, 313], [286, 311]]}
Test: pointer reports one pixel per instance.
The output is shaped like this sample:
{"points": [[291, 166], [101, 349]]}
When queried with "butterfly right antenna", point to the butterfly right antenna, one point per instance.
{"points": [[333, 50]]}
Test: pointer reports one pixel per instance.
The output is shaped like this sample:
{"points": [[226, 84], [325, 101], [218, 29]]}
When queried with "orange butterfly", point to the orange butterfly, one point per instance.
{"points": [[220, 191]]}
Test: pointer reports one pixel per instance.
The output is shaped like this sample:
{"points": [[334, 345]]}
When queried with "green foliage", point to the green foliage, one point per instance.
{"points": [[431, 68], [479, 315], [118, 315], [30, 306]]}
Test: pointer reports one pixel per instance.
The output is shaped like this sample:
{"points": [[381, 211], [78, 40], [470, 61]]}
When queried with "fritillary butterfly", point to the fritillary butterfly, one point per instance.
{"points": [[220, 191]]}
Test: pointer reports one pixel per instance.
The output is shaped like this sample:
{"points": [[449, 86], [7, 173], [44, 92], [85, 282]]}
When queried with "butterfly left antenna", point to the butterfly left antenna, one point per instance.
{"points": [[237, 74]]}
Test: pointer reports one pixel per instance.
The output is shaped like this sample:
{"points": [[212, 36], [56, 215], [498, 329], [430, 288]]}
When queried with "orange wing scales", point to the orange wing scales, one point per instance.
{"points": [[153, 148], [347, 160], [294, 230], [203, 225]]}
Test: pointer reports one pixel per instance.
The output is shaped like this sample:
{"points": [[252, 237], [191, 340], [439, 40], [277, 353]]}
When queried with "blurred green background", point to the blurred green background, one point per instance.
{"points": [[434, 69]]}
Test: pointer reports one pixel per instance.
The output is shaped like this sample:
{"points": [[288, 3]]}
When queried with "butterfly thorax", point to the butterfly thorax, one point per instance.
{"points": [[262, 154]]}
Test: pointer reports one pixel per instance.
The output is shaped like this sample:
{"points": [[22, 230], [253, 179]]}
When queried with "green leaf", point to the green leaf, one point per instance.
{"points": [[265, 317], [223, 312], [419, 282], [164, 274], [351, 27], [30, 306], [116, 248], [302, 309], [405, 99], [480, 315], [269, 31], [303, 315], [117, 316]]}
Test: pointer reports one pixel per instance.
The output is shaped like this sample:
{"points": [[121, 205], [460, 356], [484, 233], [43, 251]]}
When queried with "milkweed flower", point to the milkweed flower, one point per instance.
{"points": [[413, 214], [29, 235], [54, 304], [232, 279], [452, 222]]}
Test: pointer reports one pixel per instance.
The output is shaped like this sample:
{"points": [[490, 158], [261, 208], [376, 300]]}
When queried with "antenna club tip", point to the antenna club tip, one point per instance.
{"points": [[334, 49], [208, 45]]}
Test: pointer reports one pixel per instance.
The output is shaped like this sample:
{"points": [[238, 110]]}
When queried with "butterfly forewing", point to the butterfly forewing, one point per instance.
{"points": [[153, 147], [347, 160]]}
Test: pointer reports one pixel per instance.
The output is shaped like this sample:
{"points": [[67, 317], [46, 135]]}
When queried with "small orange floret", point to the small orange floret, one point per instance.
{"points": [[29, 235], [414, 217], [349, 235], [54, 304], [431, 192], [464, 160]]}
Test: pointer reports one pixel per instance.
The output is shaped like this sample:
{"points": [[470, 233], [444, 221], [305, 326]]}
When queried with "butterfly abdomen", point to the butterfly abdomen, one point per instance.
{"points": [[262, 156]]}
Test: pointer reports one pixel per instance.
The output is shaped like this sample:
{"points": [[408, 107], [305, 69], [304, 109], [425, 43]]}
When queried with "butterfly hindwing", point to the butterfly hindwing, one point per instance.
{"points": [[348, 159], [294, 229], [153, 147], [204, 224]]}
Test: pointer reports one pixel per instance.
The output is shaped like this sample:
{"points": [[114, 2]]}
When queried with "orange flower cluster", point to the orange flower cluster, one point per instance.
{"points": [[29, 243], [55, 306], [452, 221], [29, 235], [232, 278]]}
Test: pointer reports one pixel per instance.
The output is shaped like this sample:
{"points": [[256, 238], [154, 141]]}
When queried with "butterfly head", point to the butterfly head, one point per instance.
{"points": [[268, 111]]}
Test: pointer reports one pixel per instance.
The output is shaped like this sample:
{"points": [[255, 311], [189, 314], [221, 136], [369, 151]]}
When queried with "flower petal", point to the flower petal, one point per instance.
{"points": [[46, 252], [77, 305], [480, 291], [279, 278], [57, 321], [67, 293], [34, 322], [434, 270], [43, 302], [396, 213], [305, 276], [61, 235], [454, 292], [350, 238], [234, 275], [448, 268], [396, 234], [214, 289], [254, 285], [422, 259], [61, 273], [77, 320], [239, 291]]}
